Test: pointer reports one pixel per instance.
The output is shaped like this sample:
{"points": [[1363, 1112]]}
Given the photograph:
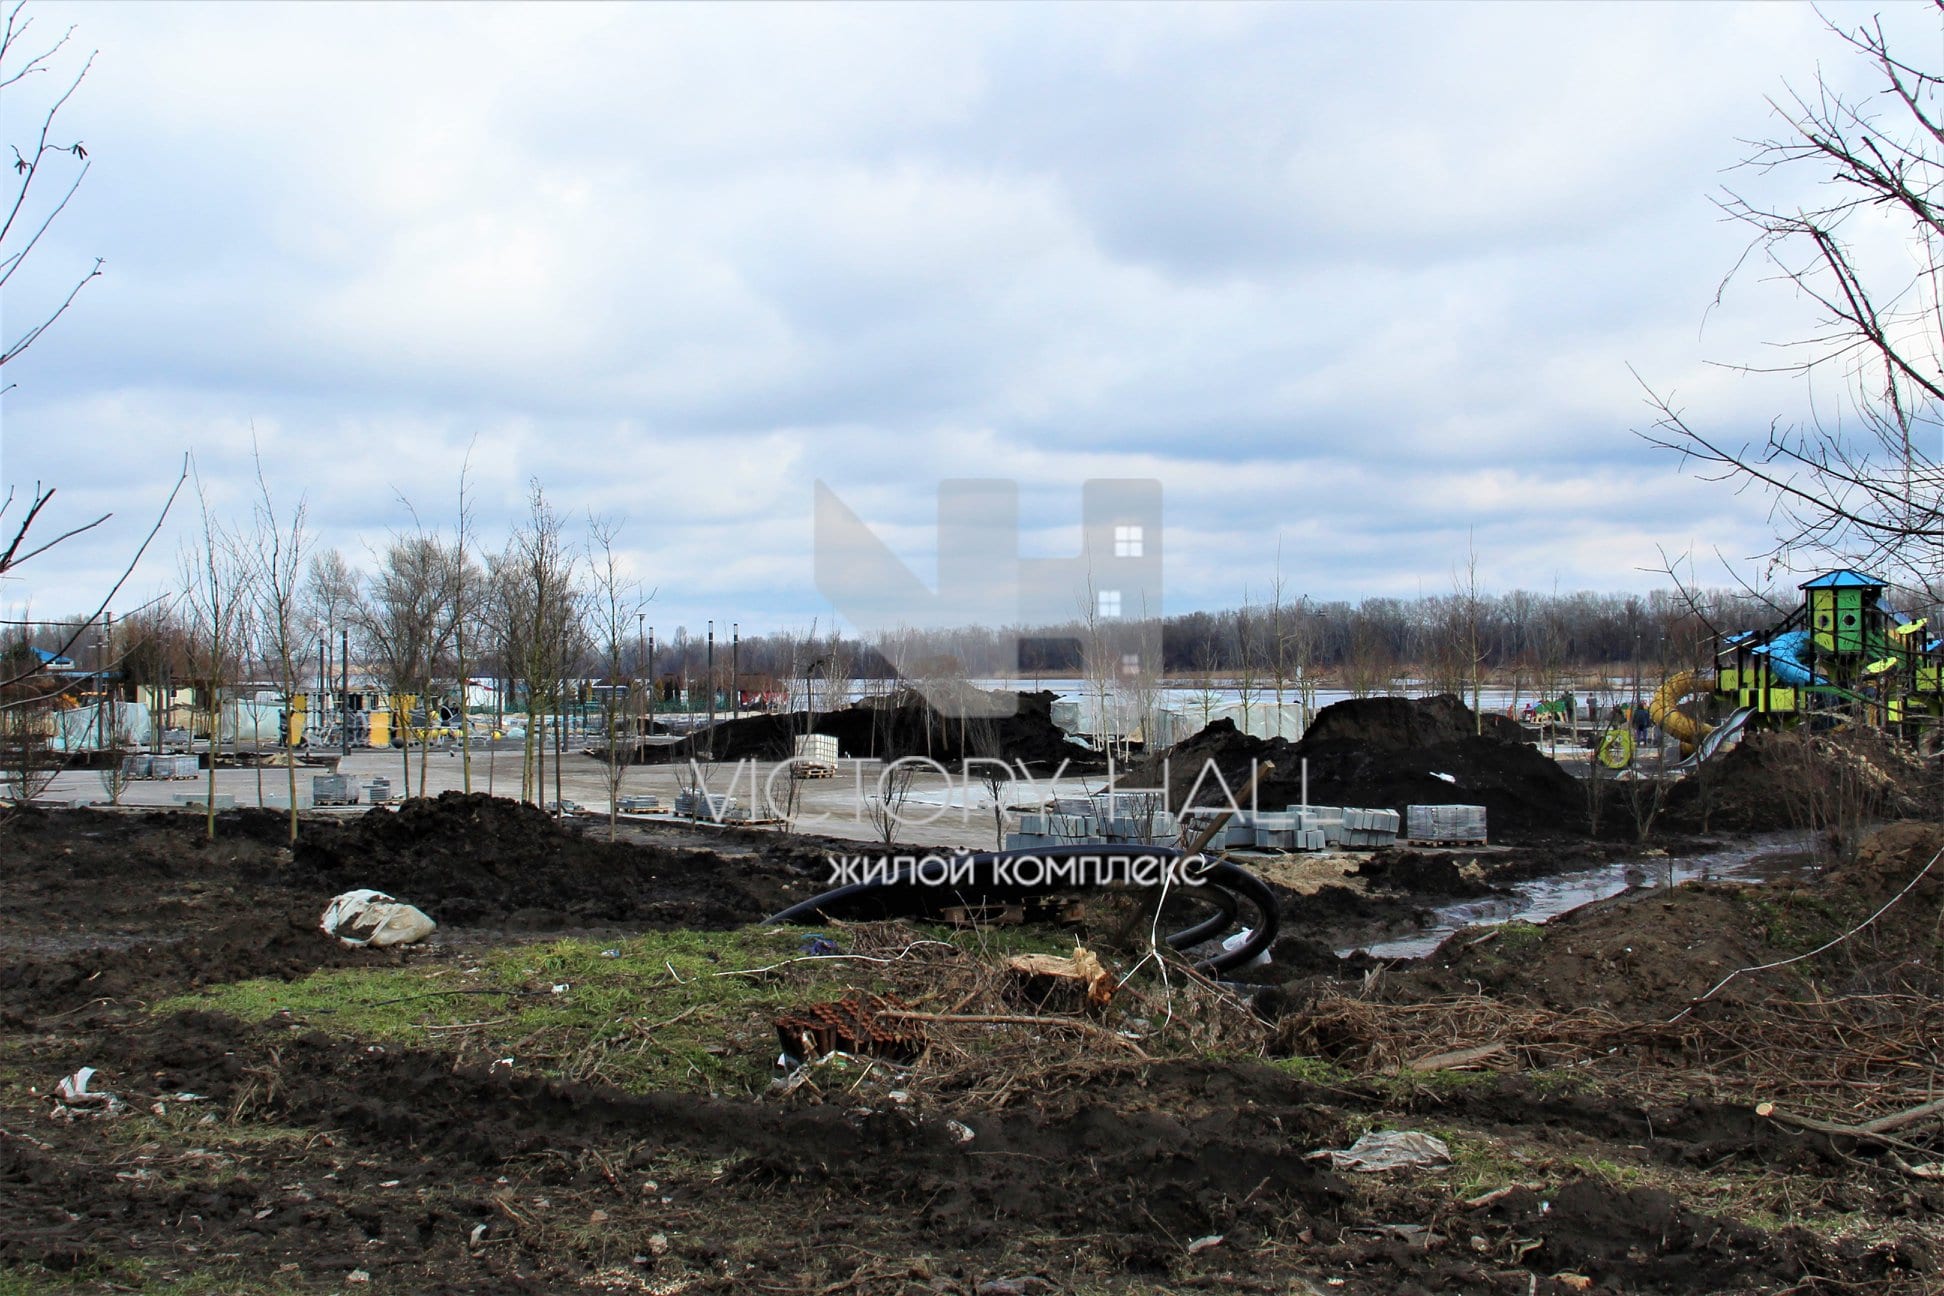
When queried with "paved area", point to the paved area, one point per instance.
{"points": [[940, 809]]}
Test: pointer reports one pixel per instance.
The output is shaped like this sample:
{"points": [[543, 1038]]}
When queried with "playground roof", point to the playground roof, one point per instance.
{"points": [[1844, 579]]}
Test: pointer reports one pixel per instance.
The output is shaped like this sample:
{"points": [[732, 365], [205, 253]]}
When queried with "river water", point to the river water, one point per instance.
{"points": [[1767, 857]]}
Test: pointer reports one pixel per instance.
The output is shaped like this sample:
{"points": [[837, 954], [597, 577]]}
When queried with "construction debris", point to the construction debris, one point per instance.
{"points": [[849, 1025]]}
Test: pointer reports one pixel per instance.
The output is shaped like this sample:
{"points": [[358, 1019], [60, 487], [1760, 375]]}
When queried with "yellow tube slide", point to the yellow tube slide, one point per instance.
{"points": [[1661, 708]]}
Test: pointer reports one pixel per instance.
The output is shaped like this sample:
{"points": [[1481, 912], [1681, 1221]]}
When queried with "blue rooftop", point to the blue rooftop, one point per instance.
{"points": [[1844, 579]]}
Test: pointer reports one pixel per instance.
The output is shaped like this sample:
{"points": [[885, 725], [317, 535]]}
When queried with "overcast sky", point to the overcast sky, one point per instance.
{"points": [[1361, 280]]}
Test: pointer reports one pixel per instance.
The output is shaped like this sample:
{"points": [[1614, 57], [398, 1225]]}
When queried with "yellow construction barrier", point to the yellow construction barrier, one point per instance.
{"points": [[1663, 710]]}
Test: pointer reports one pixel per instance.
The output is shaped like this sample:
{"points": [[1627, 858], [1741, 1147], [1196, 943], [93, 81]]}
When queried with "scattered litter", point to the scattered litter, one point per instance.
{"points": [[1573, 1281], [76, 1098], [818, 946], [961, 1134], [1204, 1243], [658, 1244], [1388, 1150], [610, 953], [1240, 939], [1449, 778], [376, 919], [478, 1236], [74, 1088], [562, 987], [357, 1276]]}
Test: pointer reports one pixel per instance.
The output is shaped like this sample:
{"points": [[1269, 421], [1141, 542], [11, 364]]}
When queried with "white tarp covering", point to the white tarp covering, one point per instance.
{"points": [[99, 727], [259, 722]]}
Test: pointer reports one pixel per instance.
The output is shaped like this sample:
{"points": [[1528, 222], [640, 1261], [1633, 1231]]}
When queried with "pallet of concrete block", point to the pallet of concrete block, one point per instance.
{"points": [[140, 765], [713, 806], [1458, 824], [1056, 829], [1324, 820], [638, 804], [1273, 831], [333, 790], [1369, 829], [815, 756], [378, 791], [1144, 829]]}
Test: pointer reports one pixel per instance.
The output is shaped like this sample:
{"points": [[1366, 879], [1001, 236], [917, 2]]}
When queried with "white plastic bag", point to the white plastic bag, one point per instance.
{"points": [[1382, 1150], [374, 918]]}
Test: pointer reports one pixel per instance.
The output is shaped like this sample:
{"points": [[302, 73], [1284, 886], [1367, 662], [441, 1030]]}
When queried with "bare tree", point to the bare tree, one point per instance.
{"points": [[276, 553], [405, 619], [612, 603], [48, 167], [1867, 485], [538, 598], [466, 595], [885, 808], [216, 597]]}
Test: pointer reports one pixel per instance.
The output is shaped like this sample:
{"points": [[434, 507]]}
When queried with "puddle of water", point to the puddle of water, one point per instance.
{"points": [[1766, 858]]}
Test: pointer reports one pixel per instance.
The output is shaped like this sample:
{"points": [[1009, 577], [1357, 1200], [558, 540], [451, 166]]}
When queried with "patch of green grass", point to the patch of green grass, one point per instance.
{"points": [[1796, 920], [209, 1278], [690, 1010], [1314, 1071], [1480, 1164], [1518, 937], [1621, 1174], [678, 1009]]}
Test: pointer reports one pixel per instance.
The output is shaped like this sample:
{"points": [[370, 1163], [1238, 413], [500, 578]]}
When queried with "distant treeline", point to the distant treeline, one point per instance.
{"points": [[1361, 645]]}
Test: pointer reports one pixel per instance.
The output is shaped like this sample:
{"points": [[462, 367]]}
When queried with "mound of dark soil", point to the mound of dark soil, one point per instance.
{"points": [[1797, 779], [1400, 724], [1892, 859], [1524, 792], [908, 725], [1421, 873], [480, 859], [1384, 753]]}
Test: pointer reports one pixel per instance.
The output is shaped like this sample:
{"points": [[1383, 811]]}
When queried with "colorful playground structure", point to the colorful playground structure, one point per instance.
{"points": [[1845, 656]]}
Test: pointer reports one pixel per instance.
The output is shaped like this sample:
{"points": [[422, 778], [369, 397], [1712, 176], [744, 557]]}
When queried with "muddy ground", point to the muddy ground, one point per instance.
{"points": [[1608, 1132]]}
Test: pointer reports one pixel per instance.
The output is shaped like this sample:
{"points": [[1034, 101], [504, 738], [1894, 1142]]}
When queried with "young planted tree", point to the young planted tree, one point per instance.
{"points": [[404, 618], [613, 601], [276, 553], [216, 606], [539, 601], [468, 593], [331, 596]]}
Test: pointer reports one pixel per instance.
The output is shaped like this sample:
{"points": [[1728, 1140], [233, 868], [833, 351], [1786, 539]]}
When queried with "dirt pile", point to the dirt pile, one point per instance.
{"points": [[1384, 753], [1798, 779], [908, 725], [476, 859], [1399, 724]]}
